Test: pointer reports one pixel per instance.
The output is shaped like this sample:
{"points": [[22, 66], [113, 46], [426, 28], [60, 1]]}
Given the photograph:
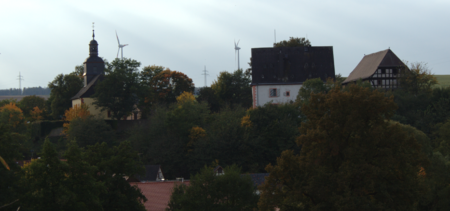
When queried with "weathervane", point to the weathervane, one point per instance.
{"points": [[93, 35]]}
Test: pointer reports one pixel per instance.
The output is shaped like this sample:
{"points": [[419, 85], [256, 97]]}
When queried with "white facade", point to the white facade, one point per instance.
{"points": [[275, 94]]}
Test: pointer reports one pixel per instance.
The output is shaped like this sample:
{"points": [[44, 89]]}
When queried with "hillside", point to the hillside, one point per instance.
{"points": [[444, 80]]}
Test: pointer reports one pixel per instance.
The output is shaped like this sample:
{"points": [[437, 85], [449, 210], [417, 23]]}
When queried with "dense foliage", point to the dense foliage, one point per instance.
{"points": [[208, 191]]}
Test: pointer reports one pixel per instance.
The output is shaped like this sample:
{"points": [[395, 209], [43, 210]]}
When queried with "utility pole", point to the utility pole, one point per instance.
{"points": [[205, 73], [20, 78]]}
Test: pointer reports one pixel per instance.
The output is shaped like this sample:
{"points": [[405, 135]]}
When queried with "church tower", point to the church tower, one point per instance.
{"points": [[93, 65]]}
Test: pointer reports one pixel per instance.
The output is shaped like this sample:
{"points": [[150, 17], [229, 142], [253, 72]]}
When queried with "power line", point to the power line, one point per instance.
{"points": [[205, 73], [20, 78]]}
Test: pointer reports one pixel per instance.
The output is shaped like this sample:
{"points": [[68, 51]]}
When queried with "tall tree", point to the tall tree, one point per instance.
{"points": [[118, 91], [50, 184], [63, 87], [351, 158], [113, 165], [233, 88]]}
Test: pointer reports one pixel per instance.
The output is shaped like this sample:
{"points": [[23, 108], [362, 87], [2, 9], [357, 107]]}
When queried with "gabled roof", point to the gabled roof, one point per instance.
{"points": [[88, 90], [370, 63], [151, 173], [157, 193]]}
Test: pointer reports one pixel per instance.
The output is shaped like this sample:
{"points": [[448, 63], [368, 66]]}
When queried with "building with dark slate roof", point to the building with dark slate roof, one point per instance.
{"points": [[278, 73], [381, 69]]}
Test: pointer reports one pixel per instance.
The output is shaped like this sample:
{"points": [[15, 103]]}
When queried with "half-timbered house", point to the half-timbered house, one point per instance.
{"points": [[381, 69]]}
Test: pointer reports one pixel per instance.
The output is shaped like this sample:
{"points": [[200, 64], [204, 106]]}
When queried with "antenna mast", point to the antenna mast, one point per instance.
{"points": [[20, 78], [205, 73]]}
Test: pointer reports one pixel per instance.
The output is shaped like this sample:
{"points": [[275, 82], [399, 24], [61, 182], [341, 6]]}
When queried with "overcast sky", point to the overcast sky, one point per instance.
{"points": [[41, 39]]}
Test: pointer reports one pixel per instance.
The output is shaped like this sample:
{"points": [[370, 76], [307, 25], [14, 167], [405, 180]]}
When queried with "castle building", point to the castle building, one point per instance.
{"points": [[278, 73], [381, 69]]}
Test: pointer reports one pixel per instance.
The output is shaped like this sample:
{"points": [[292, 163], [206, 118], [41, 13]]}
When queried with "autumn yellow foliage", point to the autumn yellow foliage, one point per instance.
{"points": [[246, 122], [12, 114], [75, 112], [36, 114], [195, 134], [186, 97]]}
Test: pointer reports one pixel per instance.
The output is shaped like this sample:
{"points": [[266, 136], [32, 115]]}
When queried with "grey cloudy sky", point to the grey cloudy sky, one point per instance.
{"points": [[42, 38]]}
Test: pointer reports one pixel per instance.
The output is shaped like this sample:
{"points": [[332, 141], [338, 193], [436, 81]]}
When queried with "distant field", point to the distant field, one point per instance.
{"points": [[444, 80]]}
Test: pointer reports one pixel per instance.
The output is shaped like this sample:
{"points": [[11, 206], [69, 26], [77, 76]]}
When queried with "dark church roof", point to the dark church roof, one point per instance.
{"points": [[371, 62], [88, 90]]}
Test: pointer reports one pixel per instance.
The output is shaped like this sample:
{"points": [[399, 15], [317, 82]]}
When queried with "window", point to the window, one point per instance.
{"points": [[273, 92], [287, 93]]}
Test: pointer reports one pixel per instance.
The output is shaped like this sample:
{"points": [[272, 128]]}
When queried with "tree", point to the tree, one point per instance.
{"points": [[50, 184], [417, 78], [113, 165], [28, 103], [118, 91], [76, 112], [168, 84], [208, 191], [293, 42], [12, 116], [310, 86], [351, 158], [233, 88], [207, 95], [89, 131], [63, 87], [9, 151], [146, 92]]}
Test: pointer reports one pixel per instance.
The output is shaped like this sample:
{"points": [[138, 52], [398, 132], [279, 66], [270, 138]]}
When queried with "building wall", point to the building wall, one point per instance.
{"points": [[262, 94], [97, 112], [91, 107]]}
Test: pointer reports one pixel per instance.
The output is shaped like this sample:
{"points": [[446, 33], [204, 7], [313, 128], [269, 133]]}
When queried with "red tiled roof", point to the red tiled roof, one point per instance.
{"points": [[157, 193]]}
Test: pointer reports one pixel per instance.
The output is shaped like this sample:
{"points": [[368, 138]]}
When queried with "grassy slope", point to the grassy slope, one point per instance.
{"points": [[444, 80]]}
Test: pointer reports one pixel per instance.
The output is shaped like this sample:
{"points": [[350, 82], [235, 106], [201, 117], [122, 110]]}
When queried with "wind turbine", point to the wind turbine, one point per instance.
{"points": [[236, 48], [120, 47]]}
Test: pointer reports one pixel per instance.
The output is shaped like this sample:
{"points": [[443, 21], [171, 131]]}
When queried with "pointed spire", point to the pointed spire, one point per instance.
{"points": [[93, 33]]}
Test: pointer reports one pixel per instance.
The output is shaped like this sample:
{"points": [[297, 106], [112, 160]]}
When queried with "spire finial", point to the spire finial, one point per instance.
{"points": [[93, 34]]}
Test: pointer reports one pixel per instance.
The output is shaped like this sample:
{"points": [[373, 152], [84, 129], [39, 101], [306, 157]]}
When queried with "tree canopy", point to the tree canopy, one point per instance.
{"points": [[233, 88], [293, 42], [117, 92], [208, 191], [350, 158], [63, 87]]}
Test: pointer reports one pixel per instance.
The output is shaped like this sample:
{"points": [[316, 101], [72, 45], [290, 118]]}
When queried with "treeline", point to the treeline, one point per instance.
{"points": [[26, 91]]}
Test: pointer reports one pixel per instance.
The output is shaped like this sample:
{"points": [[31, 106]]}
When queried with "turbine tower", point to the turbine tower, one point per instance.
{"points": [[120, 47], [236, 48]]}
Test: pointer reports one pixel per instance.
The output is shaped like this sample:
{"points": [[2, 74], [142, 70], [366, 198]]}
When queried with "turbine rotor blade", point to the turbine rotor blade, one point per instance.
{"points": [[238, 43], [117, 38], [118, 53]]}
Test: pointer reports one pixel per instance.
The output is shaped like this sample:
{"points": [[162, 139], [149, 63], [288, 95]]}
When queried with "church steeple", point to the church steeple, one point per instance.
{"points": [[93, 46], [93, 65]]}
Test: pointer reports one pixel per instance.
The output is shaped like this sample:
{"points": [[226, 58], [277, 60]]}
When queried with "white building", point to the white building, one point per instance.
{"points": [[278, 73]]}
